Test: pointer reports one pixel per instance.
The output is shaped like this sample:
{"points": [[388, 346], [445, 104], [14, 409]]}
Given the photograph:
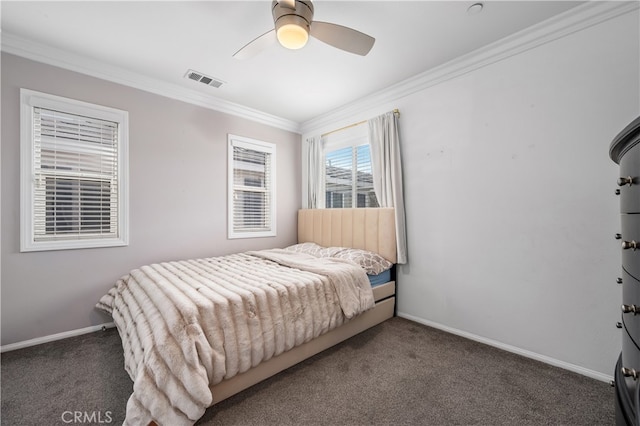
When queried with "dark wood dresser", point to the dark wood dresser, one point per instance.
{"points": [[625, 151]]}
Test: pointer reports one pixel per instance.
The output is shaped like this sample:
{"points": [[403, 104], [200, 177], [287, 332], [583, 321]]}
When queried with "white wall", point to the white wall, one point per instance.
{"points": [[510, 193], [178, 193], [510, 198]]}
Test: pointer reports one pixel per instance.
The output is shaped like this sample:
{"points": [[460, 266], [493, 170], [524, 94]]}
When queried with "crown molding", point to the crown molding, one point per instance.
{"points": [[576, 19], [63, 59]]}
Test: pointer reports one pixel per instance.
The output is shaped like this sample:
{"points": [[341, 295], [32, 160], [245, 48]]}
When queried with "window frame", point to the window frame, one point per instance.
{"points": [[29, 100], [353, 137], [259, 146]]}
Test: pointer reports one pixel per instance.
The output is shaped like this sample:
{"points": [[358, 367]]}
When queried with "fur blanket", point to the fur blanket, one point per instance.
{"points": [[188, 325]]}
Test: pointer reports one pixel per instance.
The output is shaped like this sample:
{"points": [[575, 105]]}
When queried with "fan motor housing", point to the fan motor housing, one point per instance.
{"points": [[302, 15]]}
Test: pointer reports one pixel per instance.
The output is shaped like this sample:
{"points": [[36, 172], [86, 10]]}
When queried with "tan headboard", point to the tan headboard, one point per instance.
{"points": [[370, 229]]}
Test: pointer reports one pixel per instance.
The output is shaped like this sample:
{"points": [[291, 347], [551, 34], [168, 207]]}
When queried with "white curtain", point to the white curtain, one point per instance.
{"points": [[314, 172], [386, 166]]}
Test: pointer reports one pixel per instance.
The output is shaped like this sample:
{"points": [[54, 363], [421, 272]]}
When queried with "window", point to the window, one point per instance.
{"points": [[252, 177], [347, 165], [73, 174]]}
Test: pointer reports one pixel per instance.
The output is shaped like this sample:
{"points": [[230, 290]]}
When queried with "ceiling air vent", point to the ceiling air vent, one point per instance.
{"points": [[204, 79]]}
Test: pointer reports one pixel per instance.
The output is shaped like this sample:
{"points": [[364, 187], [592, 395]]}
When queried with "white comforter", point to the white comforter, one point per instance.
{"points": [[187, 325]]}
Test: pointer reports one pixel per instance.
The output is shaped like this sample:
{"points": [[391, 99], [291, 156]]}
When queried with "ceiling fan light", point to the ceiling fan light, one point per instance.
{"points": [[292, 36]]}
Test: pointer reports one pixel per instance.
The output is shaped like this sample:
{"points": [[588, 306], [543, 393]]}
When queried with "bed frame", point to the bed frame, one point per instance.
{"points": [[371, 229]]}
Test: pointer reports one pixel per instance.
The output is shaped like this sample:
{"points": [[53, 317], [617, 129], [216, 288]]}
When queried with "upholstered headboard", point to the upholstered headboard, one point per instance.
{"points": [[370, 229]]}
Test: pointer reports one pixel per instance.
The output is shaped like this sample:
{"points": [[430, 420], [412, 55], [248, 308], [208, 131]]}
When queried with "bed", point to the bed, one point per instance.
{"points": [[186, 348]]}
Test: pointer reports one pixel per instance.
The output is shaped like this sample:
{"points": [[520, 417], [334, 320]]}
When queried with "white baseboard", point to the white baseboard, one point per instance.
{"points": [[54, 337], [528, 354]]}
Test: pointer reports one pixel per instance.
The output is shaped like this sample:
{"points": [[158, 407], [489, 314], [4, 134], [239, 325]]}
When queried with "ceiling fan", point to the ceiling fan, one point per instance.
{"points": [[294, 24]]}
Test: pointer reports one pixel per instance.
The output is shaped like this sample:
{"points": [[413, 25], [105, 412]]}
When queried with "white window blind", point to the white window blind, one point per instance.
{"points": [[348, 179], [252, 182], [76, 176], [76, 197]]}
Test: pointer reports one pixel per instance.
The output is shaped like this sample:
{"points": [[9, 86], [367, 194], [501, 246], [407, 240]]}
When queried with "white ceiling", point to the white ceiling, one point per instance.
{"points": [[162, 40]]}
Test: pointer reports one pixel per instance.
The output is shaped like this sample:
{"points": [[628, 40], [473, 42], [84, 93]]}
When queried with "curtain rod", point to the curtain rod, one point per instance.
{"points": [[395, 111]]}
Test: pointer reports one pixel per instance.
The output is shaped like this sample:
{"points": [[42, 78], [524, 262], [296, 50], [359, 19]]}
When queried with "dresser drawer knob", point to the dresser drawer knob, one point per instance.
{"points": [[629, 372], [618, 324], [619, 280], [628, 309], [625, 181], [618, 236], [629, 245], [617, 192]]}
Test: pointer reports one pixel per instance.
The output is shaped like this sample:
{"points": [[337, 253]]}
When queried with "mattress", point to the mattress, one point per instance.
{"points": [[381, 278], [188, 325]]}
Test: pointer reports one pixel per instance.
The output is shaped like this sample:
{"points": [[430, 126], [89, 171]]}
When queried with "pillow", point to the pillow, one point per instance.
{"points": [[308, 248], [371, 262]]}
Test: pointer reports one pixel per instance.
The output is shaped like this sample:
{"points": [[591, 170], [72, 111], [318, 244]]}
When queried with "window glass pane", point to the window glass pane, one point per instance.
{"points": [[348, 178], [249, 167], [77, 206], [339, 176], [251, 181], [76, 164], [250, 211]]}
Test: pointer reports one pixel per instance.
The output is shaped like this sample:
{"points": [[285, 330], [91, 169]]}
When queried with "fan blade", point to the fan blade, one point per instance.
{"points": [[290, 4], [342, 37], [257, 45]]}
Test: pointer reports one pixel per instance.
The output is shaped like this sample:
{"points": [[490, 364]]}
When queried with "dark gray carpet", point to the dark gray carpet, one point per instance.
{"points": [[398, 373]]}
